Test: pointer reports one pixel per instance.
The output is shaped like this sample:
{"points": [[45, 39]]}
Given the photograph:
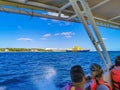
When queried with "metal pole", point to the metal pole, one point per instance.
{"points": [[79, 14], [90, 16]]}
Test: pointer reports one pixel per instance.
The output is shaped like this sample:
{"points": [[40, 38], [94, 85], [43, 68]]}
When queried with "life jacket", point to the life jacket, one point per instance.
{"points": [[95, 83], [70, 87], [115, 75]]}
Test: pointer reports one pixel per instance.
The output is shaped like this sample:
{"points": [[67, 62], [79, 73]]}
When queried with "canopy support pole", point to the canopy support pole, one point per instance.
{"points": [[97, 35]]}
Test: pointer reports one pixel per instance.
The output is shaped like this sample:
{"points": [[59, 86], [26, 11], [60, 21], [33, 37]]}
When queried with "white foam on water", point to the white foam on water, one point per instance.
{"points": [[3, 88], [47, 82], [50, 72]]}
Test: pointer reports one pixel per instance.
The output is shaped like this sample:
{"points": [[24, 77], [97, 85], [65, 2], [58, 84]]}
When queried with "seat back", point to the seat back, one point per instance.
{"points": [[107, 77]]}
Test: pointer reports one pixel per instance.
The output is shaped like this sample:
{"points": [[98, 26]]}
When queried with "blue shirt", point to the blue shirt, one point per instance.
{"points": [[102, 87]]}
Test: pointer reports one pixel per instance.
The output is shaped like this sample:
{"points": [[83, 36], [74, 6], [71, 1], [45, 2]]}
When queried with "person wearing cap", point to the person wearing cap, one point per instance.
{"points": [[77, 77], [115, 74], [97, 82]]}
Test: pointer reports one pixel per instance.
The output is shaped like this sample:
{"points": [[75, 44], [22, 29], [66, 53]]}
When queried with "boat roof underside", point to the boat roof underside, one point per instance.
{"points": [[105, 12]]}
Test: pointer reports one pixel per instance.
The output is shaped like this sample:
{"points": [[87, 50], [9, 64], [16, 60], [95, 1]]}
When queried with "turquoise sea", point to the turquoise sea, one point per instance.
{"points": [[43, 71]]}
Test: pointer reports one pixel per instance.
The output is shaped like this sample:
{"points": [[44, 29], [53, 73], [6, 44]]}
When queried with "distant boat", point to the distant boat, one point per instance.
{"points": [[77, 49]]}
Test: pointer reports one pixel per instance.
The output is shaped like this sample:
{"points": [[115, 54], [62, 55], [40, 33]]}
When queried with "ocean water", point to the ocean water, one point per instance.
{"points": [[43, 71]]}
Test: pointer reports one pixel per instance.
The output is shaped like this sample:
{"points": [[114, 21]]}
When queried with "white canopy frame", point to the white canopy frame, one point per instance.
{"points": [[64, 9], [95, 43]]}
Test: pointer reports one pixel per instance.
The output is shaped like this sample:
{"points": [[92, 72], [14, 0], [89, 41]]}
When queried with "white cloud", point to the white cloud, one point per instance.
{"points": [[43, 18], [61, 23], [43, 38], [67, 23], [46, 35], [56, 34], [52, 14], [104, 38], [24, 39], [63, 34], [56, 14], [67, 34], [55, 20], [62, 15]]}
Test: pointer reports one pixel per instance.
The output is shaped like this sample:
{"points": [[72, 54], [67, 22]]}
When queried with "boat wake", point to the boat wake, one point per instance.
{"points": [[48, 82]]}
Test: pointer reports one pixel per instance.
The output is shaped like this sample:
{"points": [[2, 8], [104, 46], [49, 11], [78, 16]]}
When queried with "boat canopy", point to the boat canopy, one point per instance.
{"points": [[105, 12], [94, 12]]}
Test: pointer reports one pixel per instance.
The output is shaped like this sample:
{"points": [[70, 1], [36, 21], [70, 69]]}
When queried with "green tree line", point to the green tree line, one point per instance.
{"points": [[24, 50]]}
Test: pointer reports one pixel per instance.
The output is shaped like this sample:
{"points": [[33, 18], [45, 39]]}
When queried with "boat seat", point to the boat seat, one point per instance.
{"points": [[107, 77]]}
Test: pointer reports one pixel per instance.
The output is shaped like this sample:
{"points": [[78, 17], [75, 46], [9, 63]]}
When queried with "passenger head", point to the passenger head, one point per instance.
{"points": [[77, 74], [117, 61], [96, 71]]}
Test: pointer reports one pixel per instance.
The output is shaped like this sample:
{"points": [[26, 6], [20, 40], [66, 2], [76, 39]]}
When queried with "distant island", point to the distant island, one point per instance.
{"points": [[31, 50], [24, 50], [74, 49]]}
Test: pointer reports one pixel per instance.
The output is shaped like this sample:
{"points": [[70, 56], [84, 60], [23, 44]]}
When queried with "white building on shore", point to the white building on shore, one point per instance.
{"points": [[57, 49]]}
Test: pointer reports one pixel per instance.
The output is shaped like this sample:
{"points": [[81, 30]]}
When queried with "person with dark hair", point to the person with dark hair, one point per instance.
{"points": [[115, 74], [97, 82], [77, 77]]}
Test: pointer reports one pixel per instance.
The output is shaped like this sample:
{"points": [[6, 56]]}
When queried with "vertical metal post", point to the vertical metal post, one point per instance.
{"points": [[90, 17], [80, 15]]}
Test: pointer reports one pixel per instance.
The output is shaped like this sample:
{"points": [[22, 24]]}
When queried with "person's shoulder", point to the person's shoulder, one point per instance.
{"points": [[102, 87]]}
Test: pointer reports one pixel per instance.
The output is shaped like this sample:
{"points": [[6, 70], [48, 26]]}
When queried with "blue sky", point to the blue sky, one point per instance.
{"points": [[21, 31]]}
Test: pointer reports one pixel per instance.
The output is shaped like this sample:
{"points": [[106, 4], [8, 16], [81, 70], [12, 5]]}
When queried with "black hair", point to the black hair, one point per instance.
{"points": [[77, 73], [117, 61]]}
